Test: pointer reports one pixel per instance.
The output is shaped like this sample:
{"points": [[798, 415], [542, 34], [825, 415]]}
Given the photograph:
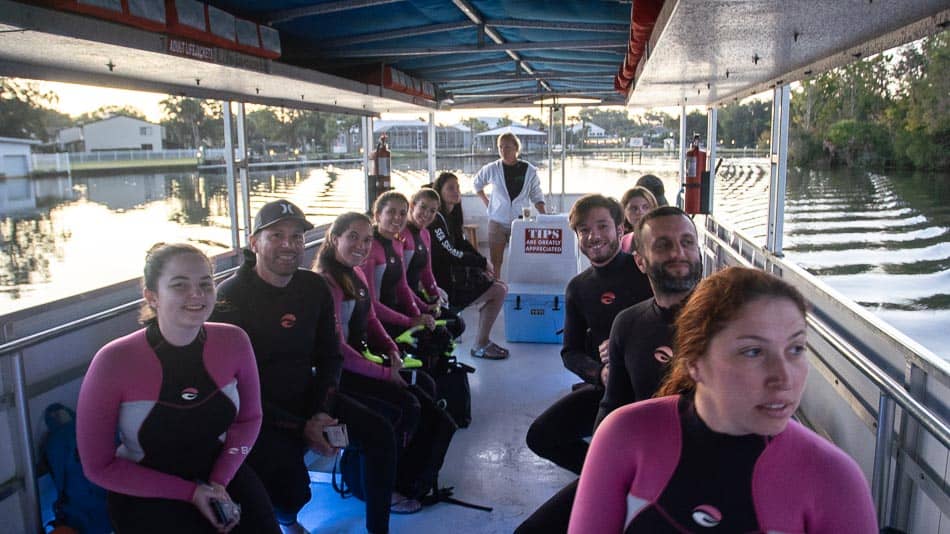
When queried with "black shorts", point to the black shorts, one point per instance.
{"points": [[468, 284]]}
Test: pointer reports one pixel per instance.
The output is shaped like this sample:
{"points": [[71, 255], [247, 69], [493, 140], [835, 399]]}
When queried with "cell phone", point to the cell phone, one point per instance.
{"points": [[336, 435], [225, 512]]}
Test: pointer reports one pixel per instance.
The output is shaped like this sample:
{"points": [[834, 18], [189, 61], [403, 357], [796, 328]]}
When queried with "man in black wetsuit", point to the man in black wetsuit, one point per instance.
{"points": [[288, 314], [592, 299], [640, 338]]}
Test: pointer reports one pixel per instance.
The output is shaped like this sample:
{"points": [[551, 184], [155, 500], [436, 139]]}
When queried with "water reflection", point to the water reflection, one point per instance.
{"points": [[882, 240]]}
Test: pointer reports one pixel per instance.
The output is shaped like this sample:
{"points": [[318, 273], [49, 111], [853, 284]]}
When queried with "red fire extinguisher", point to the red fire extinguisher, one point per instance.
{"points": [[380, 181], [695, 167]]}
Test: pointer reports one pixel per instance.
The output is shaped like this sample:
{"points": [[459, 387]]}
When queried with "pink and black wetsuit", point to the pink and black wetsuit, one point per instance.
{"points": [[357, 326], [393, 301], [655, 466], [410, 409], [183, 415], [418, 264], [417, 257]]}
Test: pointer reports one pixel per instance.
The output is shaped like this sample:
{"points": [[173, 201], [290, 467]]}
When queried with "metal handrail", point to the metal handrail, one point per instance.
{"points": [[98, 317], [884, 383], [918, 354], [88, 320]]}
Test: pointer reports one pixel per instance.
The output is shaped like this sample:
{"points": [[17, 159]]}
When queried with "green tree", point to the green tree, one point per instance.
{"points": [[530, 121], [504, 121], [183, 120], [24, 110], [475, 125], [262, 125], [614, 122], [192, 122], [741, 125], [923, 97], [110, 110], [300, 126]]}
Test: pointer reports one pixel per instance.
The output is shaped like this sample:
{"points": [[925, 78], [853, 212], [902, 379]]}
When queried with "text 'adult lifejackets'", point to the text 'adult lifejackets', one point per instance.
{"points": [[543, 240]]}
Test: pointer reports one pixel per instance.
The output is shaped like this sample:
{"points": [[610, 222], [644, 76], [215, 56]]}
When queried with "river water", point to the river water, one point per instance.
{"points": [[882, 239]]}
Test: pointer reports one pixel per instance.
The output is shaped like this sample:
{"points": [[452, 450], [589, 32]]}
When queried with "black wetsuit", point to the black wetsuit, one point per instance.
{"points": [[415, 260], [640, 350], [452, 255], [593, 299], [295, 342]]}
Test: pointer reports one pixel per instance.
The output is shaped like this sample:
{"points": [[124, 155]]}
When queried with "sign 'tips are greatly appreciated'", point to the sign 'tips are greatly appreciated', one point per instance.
{"points": [[543, 240]]}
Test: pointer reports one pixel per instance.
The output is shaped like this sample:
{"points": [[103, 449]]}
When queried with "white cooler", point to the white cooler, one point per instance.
{"points": [[542, 258]]}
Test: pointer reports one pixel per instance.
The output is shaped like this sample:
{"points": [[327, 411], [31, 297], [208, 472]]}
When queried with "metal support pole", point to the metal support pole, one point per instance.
{"points": [[229, 165], [560, 200], [366, 131], [551, 150], [909, 441], [712, 115], [778, 159], [431, 150], [882, 455], [31, 496], [242, 173], [680, 200]]}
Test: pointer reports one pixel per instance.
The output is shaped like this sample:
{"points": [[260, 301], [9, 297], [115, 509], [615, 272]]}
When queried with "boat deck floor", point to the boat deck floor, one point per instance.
{"points": [[488, 462]]}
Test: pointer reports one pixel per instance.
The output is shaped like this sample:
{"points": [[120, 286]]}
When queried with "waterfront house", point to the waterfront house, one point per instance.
{"points": [[531, 140], [15, 157], [117, 132]]}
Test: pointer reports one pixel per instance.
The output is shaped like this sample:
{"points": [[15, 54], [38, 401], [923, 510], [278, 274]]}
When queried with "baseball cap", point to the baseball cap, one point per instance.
{"points": [[277, 211]]}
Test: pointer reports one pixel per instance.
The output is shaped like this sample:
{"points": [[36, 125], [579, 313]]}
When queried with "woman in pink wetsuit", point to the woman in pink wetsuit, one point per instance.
{"points": [[719, 452], [635, 202], [184, 397]]}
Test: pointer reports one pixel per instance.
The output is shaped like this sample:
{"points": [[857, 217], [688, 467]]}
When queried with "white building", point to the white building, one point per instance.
{"points": [[15, 157], [413, 135], [592, 129], [531, 140], [114, 133]]}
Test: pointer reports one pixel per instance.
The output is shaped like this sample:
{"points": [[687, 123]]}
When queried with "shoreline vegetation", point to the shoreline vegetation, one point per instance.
{"points": [[888, 111]]}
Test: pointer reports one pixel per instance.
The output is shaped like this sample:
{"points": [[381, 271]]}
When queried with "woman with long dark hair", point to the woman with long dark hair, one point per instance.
{"points": [[403, 396], [393, 301], [462, 271], [184, 397], [720, 450], [417, 256]]}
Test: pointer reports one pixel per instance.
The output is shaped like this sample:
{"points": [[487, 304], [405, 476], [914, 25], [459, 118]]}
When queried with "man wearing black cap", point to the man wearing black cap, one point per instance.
{"points": [[288, 314]]}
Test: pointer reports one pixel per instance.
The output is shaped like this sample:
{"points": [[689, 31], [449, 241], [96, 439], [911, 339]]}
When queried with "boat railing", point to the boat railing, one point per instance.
{"points": [[875, 370], [43, 383]]}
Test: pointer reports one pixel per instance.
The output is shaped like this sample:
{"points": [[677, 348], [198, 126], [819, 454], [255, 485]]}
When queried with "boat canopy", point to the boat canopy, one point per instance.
{"points": [[375, 56], [704, 52]]}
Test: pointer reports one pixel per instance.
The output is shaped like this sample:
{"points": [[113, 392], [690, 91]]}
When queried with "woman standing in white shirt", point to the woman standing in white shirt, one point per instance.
{"points": [[514, 185]]}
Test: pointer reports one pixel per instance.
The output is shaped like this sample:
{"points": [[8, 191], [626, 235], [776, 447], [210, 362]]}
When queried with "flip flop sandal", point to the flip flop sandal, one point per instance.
{"points": [[489, 352], [499, 348]]}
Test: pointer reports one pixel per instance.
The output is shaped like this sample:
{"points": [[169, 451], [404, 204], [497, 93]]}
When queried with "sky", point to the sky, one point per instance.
{"points": [[77, 99]]}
